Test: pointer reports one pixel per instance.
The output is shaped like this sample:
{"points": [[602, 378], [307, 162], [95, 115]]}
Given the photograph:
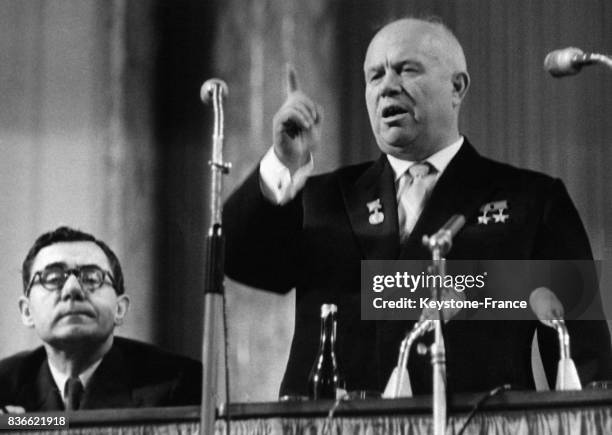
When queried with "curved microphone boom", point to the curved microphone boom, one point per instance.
{"points": [[549, 310], [569, 61], [399, 381], [213, 90], [398, 384]]}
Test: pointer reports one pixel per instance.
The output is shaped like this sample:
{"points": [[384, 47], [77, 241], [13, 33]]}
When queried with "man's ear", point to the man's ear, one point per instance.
{"points": [[26, 314], [121, 309], [461, 83]]}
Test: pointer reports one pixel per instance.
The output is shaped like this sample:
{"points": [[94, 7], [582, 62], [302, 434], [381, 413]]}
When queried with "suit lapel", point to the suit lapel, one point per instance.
{"points": [[461, 189], [377, 240], [109, 386], [41, 394]]}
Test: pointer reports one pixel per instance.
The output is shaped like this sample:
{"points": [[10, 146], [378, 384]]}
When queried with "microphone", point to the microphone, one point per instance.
{"points": [[452, 226], [549, 310], [398, 384], [546, 306], [442, 240], [567, 61], [210, 86]]}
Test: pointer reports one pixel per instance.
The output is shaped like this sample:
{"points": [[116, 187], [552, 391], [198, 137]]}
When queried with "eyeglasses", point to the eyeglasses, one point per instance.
{"points": [[53, 278]]}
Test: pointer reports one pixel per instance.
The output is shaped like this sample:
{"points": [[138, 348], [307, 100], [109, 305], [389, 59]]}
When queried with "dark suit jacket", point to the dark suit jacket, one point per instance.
{"points": [[132, 375], [315, 243]]}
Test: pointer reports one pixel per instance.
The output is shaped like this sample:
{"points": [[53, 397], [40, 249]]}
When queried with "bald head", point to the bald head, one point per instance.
{"points": [[416, 78], [437, 40]]}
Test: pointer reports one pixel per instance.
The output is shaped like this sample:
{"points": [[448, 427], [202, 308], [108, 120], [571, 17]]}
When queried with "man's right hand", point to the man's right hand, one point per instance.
{"points": [[296, 126], [12, 409]]}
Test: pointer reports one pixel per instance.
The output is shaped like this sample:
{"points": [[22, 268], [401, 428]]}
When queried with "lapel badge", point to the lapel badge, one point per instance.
{"points": [[494, 211], [376, 215]]}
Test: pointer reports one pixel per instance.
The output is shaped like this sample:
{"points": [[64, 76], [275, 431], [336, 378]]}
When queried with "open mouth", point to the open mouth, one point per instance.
{"points": [[393, 111]]}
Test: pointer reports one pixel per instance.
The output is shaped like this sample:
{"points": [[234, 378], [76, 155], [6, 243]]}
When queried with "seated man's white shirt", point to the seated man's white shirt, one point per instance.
{"points": [[61, 378]]}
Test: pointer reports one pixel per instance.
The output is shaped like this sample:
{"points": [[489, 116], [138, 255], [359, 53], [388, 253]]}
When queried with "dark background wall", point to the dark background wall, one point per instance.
{"points": [[185, 32]]}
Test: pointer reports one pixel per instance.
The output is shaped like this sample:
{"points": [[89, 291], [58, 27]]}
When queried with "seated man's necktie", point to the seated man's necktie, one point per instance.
{"points": [[73, 392]]}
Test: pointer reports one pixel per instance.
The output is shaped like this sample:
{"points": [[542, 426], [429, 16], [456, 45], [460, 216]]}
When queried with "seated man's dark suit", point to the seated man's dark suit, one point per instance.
{"points": [[131, 375], [315, 243]]}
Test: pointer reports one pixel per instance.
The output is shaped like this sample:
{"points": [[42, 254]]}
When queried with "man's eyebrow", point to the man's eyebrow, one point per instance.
{"points": [[406, 61], [66, 266], [56, 264], [373, 67], [395, 64]]}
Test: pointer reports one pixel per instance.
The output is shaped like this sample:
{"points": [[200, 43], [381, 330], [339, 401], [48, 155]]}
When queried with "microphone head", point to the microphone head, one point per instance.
{"points": [[209, 86], [546, 306], [564, 62]]}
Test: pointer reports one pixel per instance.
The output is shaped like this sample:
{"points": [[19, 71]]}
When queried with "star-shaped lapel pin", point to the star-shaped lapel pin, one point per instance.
{"points": [[494, 210], [500, 216], [484, 219]]}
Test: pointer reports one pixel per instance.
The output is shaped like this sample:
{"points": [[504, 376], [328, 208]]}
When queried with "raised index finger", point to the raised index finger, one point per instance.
{"points": [[292, 82]]}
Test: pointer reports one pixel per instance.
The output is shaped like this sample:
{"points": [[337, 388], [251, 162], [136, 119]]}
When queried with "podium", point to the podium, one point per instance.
{"points": [[514, 412]]}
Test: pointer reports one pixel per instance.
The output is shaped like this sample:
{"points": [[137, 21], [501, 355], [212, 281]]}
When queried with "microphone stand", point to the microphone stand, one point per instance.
{"points": [[549, 311], [419, 329], [602, 59], [564, 341], [439, 245], [213, 90], [567, 375]]}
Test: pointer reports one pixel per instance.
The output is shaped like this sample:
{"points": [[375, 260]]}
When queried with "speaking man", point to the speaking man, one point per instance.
{"points": [[286, 229]]}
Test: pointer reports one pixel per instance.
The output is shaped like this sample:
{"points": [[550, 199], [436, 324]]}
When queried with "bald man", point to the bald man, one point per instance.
{"points": [[286, 229]]}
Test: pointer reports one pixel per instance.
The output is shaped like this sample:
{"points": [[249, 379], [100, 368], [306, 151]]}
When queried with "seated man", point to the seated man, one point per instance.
{"points": [[73, 298]]}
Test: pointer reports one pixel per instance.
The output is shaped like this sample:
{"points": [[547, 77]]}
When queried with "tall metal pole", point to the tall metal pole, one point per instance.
{"points": [[440, 244], [213, 90], [438, 352]]}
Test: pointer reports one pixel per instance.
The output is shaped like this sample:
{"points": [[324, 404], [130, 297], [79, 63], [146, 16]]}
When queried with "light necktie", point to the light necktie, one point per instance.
{"points": [[413, 189], [73, 393]]}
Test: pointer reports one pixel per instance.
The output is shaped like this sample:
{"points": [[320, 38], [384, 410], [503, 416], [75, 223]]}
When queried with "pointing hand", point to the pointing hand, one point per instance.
{"points": [[296, 125]]}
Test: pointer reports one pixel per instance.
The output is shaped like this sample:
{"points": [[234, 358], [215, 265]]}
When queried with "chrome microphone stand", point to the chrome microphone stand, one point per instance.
{"points": [[548, 309], [213, 90], [420, 328], [603, 59], [440, 244], [567, 375]]}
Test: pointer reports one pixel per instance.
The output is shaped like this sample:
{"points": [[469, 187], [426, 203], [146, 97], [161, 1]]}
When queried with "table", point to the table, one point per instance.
{"points": [[514, 412]]}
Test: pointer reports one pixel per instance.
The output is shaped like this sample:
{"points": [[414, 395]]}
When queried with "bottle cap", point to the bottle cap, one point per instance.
{"points": [[327, 309]]}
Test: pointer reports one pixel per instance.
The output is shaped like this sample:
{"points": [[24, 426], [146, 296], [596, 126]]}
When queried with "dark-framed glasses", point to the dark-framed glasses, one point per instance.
{"points": [[91, 277]]}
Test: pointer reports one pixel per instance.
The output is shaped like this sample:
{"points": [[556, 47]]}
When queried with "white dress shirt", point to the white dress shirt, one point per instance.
{"points": [[279, 187], [61, 378]]}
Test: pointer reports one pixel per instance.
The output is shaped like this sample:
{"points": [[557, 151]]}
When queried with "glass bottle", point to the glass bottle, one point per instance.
{"points": [[325, 381]]}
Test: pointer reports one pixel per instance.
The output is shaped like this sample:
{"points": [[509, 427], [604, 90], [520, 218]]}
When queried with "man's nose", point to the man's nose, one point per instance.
{"points": [[72, 288], [390, 84]]}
